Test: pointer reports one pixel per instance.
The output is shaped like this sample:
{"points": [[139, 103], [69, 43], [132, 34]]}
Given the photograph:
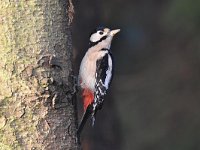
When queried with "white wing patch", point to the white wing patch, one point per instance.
{"points": [[108, 72]]}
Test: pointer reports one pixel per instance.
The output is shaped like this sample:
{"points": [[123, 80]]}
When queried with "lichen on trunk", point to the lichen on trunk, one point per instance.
{"points": [[36, 91]]}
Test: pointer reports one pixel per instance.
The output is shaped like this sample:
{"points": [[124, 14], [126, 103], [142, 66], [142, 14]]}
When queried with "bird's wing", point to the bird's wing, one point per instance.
{"points": [[104, 73]]}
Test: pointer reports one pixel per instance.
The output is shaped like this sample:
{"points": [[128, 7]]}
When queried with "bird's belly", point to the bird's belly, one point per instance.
{"points": [[87, 75], [88, 69]]}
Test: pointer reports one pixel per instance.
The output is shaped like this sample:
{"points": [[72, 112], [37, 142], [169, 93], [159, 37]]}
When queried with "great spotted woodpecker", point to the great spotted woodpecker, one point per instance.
{"points": [[96, 72]]}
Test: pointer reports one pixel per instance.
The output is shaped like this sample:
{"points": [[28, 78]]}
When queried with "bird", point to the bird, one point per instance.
{"points": [[96, 72]]}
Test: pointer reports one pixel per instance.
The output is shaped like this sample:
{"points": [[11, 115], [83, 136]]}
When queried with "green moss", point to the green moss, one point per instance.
{"points": [[26, 32], [4, 147], [20, 31]]}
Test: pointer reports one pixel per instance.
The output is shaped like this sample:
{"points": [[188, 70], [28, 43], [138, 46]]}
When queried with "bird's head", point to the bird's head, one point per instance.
{"points": [[102, 36]]}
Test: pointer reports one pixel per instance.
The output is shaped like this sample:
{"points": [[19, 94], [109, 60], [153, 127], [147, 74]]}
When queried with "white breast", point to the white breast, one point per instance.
{"points": [[88, 68]]}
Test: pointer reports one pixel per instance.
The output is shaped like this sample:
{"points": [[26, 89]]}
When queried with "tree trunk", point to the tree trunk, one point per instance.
{"points": [[36, 90]]}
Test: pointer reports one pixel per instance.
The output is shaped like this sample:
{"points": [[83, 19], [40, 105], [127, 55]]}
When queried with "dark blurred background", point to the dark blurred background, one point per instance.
{"points": [[154, 99]]}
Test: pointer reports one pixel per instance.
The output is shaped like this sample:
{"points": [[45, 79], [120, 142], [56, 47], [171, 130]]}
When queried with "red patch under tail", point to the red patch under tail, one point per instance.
{"points": [[88, 98]]}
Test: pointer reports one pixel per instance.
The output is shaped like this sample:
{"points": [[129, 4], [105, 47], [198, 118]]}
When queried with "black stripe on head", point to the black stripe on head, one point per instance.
{"points": [[97, 29], [95, 43], [104, 49]]}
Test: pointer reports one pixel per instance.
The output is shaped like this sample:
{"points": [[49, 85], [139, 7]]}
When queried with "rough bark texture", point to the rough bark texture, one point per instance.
{"points": [[36, 90]]}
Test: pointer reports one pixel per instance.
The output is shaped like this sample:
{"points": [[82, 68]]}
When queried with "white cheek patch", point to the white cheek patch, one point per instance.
{"points": [[95, 37]]}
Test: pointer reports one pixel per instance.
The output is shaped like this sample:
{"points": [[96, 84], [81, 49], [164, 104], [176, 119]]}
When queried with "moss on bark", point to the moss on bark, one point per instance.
{"points": [[32, 33]]}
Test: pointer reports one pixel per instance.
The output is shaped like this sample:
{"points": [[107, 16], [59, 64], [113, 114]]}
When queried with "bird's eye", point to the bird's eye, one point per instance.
{"points": [[100, 32]]}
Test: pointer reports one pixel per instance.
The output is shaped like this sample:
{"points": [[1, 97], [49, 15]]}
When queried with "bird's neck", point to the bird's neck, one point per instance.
{"points": [[100, 46]]}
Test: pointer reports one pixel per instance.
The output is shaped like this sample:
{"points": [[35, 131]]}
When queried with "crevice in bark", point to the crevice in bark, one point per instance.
{"points": [[36, 92]]}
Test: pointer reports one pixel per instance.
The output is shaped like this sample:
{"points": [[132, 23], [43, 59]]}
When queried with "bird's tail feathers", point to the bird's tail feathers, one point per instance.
{"points": [[86, 115]]}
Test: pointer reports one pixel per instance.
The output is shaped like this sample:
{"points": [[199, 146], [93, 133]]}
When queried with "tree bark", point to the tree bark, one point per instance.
{"points": [[36, 91]]}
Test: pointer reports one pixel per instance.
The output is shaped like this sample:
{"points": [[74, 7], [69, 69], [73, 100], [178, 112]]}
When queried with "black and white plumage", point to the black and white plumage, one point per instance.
{"points": [[104, 74], [96, 71]]}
